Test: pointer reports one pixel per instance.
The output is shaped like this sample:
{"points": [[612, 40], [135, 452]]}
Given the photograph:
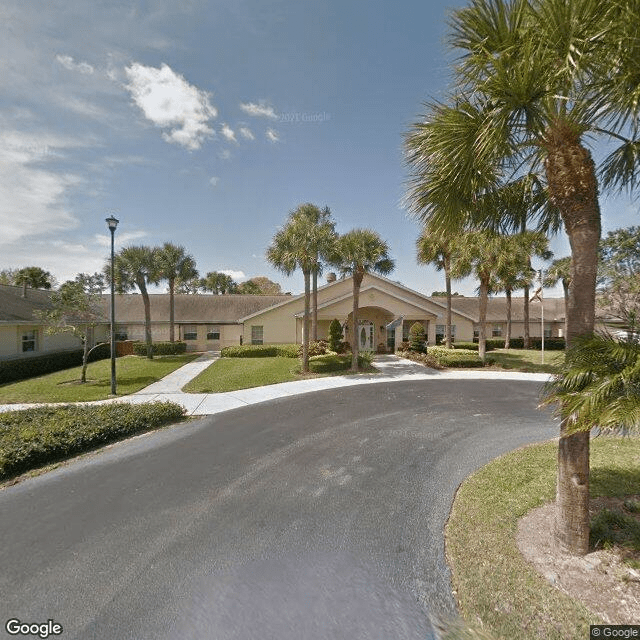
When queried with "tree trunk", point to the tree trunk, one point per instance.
{"points": [[507, 339], [447, 279], [482, 334], [314, 319], [573, 189], [565, 287], [172, 331], [355, 347], [525, 339], [147, 317], [305, 322], [85, 356]]}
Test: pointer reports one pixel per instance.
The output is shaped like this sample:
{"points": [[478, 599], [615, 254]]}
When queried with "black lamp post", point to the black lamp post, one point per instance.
{"points": [[112, 222]]}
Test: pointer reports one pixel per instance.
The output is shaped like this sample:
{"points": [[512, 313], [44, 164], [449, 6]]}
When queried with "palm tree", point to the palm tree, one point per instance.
{"points": [[358, 252], [136, 266], [437, 248], [320, 218], [297, 246], [174, 264], [560, 271], [33, 277], [535, 78]]}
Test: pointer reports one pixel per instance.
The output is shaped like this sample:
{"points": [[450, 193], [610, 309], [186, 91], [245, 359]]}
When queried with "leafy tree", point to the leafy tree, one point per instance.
{"points": [[560, 271], [189, 286], [335, 335], [33, 277], [417, 338], [357, 252], [8, 276], [536, 77], [173, 264], [267, 287], [249, 288], [298, 245], [75, 308], [136, 266], [620, 276], [218, 283]]}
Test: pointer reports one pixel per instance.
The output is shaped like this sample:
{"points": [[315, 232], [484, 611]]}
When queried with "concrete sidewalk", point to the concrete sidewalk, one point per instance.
{"points": [[392, 368]]}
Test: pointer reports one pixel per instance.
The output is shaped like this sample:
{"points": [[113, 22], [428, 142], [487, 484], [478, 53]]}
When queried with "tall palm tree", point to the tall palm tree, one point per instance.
{"points": [[358, 252], [174, 264], [136, 266], [34, 277], [560, 271], [320, 218], [535, 78], [437, 248], [297, 246]]}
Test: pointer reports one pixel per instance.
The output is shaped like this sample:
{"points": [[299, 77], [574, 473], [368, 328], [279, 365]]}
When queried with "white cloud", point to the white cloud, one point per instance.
{"points": [[272, 135], [122, 237], [262, 109], [224, 154], [246, 133], [228, 133], [236, 275], [69, 63], [170, 102], [214, 180]]}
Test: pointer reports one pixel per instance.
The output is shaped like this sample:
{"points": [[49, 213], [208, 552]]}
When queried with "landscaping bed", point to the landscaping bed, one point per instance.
{"points": [[41, 435]]}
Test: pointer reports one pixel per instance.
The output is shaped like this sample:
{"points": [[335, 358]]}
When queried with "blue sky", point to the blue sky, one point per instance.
{"points": [[205, 123]]}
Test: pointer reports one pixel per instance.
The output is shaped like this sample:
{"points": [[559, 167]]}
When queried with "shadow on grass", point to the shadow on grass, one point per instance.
{"points": [[614, 481], [515, 361]]}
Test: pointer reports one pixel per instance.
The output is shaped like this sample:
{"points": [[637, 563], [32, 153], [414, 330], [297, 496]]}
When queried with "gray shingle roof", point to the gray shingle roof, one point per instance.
{"points": [[15, 308]]}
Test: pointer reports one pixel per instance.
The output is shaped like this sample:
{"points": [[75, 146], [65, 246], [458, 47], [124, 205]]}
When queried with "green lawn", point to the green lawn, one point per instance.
{"points": [[492, 580], [132, 374], [528, 360], [231, 374]]}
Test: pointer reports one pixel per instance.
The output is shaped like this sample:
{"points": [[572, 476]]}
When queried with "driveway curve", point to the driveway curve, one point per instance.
{"points": [[317, 516]]}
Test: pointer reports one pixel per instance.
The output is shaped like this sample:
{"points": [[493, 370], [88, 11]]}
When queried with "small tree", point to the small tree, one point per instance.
{"points": [[76, 309], [417, 338], [335, 335]]}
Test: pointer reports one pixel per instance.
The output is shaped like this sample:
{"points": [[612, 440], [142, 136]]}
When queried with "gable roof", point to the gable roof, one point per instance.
{"points": [[190, 308], [16, 309]]}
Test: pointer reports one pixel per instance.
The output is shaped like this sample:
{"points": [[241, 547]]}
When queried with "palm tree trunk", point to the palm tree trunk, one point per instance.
{"points": [[305, 322], [507, 339], [85, 356], [147, 318], [314, 319], [526, 340], [565, 287], [573, 189], [482, 334], [447, 279], [172, 331], [355, 347]]}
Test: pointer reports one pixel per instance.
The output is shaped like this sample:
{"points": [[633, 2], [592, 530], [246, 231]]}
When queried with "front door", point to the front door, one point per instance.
{"points": [[365, 335]]}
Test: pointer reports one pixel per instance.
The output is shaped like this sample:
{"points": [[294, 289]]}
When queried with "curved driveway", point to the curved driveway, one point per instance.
{"points": [[317, 516]]}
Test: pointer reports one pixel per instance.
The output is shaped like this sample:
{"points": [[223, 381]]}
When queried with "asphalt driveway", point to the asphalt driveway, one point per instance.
{"points": [[318, 516]]}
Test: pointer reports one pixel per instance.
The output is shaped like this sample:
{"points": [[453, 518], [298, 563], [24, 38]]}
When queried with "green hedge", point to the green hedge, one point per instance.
{"points": [[458, 358], [470, 346], [550, 344], [22, 368], [39, 436], [261, 351], [160, 348]]}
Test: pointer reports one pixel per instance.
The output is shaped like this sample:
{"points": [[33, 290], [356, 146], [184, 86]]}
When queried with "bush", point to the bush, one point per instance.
{"points": [[417, 338], [336, 362], [426, 359], [316, 348], [470, 346], [458, 358], [22, 368], [160, 348], [261, 351], [550, 344], [335, 335], [344, 347], [38, 436]]}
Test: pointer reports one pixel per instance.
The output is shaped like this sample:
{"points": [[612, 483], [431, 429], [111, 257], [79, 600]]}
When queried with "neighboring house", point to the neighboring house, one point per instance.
{"points": [[22, 335]]}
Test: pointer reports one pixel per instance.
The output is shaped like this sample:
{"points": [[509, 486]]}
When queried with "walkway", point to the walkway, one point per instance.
{"points": [[392, 368]]}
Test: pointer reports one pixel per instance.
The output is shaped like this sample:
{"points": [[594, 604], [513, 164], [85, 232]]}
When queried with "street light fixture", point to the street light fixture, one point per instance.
{"points": [[112, 223]]}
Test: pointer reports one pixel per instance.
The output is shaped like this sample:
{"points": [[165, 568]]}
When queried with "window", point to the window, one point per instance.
{"points": [[257, 334], [496, 332], [28, 341], [121, 334], [189, 332], [213, 333], [547, 330]]}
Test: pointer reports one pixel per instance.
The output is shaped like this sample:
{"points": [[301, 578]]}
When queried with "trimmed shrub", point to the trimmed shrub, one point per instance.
{"points": [[344, 347], [470, 346], [458, 358], [261, 351], [39, 436], [335, 335], [550, 344], [316, 348], [417, 338], [22, 368], [160, 348], [495, 343], [335, 362], [427, 359]]}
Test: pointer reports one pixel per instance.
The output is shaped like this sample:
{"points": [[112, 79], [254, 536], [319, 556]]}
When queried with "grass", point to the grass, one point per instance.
{"points": [[492, 580], [231, 374], [132, 374], [527, 360]]}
